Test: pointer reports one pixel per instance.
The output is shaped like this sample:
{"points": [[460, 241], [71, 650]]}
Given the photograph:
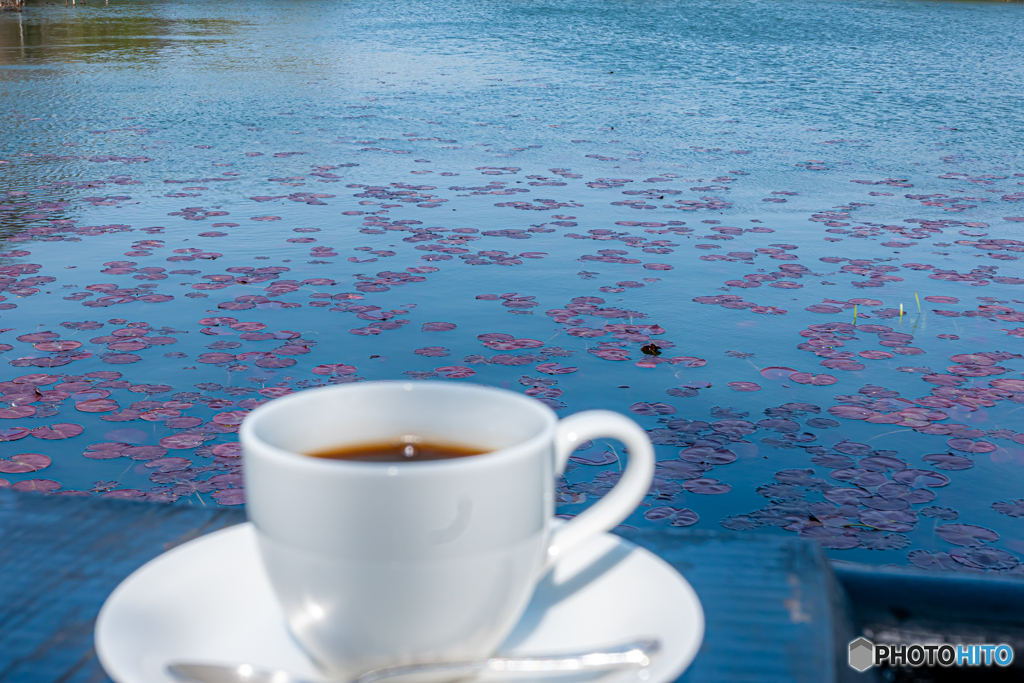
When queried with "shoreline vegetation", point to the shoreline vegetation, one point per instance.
{"points": [[17, 5]]}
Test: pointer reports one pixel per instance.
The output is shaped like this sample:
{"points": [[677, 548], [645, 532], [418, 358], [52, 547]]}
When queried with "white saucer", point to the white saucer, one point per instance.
{"points": [[210, 600]]}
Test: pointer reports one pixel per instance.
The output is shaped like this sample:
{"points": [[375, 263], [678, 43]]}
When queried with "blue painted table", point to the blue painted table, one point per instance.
{"points": [[774, 610]]}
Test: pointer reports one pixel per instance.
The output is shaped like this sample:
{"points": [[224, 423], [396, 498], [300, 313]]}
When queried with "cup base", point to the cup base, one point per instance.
{"points": [[400, 612]]}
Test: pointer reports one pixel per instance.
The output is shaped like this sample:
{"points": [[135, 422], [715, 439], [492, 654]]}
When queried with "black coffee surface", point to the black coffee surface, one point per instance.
{"points": [[407, 449]]}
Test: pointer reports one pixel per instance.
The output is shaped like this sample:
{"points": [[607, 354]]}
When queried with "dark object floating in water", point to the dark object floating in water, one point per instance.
{"points": [[651, 349]]}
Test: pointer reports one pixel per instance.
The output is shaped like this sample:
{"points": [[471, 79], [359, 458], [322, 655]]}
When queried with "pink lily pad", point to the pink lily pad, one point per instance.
{"points": [[183, 422], [58, 345], [24, 462], [433, 351], [169, 464], [228, 450], [97, 405], [688, 362], [888, 520], [915, 477], [61, 430], [683, 517], [149, 388], [159, 414], [555, 369], [455, 371], [585, 332], [38, 379], [124, 494], [948, 461], [985, 558], [105, 375], [611, 353], [105, 451], [651, 409], [777, 372], [182, 441], [121, 358], [145, 452], [229, 497], [17, 412], [744, 386], [37, 485], [971, 446], [708, 455], [438, 327], [275, 363], [236, 305], [13, 433], [273, 392], [604, 458], [1014, 508], [859, 476], [247, 326], [851, 412], [821, 380], [965, 534], [215, 357], [231, 419], [706, 486]]}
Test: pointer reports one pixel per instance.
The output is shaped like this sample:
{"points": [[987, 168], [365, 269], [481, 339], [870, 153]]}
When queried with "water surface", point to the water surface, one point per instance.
{"points": [[228, 202]]}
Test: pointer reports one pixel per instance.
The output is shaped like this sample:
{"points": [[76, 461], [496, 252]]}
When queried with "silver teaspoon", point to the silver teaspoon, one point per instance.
{"points": [[637, 652]]}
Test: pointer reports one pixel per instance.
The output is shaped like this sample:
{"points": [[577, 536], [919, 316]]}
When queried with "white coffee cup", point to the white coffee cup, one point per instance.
{"points": [[380, 563]]}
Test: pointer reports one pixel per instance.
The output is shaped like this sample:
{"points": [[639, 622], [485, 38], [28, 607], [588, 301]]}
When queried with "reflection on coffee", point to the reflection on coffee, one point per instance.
{"points": [[404, 449]]}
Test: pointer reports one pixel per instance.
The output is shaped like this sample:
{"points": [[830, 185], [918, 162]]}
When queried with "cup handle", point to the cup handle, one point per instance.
{"points": [[624, 497]]}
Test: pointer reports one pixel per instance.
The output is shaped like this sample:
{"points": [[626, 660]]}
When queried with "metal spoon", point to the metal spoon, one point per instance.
{"points": [[638, 653]]}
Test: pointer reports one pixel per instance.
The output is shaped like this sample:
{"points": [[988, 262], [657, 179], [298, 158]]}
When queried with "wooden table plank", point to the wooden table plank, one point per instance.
{"points": [[772, 607], [60, 557]]}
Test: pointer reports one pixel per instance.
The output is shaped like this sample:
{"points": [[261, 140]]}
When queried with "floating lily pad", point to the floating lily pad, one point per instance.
{"points": [[706, 486], [61, 430], [17, 412], [455, 371], [24, 462], [438, 327], [966, 534], [948, 461], [1014, 508], [36, 485], [652, 409]]}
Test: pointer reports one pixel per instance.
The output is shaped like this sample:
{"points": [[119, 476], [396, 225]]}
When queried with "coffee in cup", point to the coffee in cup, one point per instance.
{"points": [[406, 448]]}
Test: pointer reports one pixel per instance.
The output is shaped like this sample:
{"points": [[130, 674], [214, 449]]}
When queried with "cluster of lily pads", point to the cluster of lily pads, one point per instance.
{"points": [[366, 282]]}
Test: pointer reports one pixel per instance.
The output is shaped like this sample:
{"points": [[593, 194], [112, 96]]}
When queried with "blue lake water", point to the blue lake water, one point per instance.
{"points": [[230, 201]]}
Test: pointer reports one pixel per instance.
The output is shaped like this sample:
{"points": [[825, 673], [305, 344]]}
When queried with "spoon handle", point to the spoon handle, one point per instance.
{"points": [[638, 652]]}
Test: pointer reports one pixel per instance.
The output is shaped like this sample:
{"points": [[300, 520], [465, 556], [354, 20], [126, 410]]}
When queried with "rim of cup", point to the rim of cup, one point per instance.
{"points": [[249, 431]]}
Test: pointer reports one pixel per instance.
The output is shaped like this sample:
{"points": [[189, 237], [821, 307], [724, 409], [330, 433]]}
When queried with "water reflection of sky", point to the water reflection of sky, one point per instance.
{"points": [[263, 197]]}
